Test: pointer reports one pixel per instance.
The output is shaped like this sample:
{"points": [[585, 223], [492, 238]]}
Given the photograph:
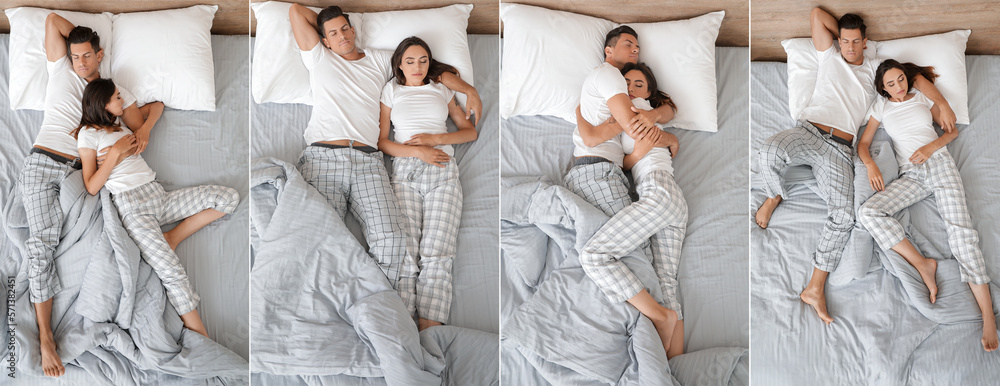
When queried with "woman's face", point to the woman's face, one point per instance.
{"points": [[414, 65], [114, 106], [895, 83], [637, 85]]}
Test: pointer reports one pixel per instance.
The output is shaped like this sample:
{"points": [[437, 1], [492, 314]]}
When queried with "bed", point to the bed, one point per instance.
{"points": [[186, 148], [472, 357], [543, 226], [883, 332]]}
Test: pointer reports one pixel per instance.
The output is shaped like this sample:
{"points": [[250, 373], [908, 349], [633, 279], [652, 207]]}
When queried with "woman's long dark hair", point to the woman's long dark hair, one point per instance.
{"points": [[909, 69], [657, 98], [95, 114], [434, 71]]}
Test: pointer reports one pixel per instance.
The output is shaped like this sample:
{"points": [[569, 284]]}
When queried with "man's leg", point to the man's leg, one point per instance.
{"points": [[39, 184], [774, 156], [876, 215], [438, 246], [374, 205], [329, 171], [603, 185], [833, 167]]}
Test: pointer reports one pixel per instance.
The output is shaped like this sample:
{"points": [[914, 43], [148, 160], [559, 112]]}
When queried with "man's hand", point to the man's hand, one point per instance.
{"points": [[474, 105], [423, 139], [141, 140], [947, 118]]}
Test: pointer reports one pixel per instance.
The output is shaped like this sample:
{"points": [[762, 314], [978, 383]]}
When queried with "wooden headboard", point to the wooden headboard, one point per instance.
{"points": [[231, 19], [485, 17], [776, 20], [735, 30]]}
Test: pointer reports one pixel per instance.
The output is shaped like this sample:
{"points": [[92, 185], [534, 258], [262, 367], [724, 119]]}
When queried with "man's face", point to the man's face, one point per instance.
{"points": [[338, 36], [85, 60], [852, 46], [625, 50]]}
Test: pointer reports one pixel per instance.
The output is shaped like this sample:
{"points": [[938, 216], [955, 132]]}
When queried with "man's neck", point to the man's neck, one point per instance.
{"points": [[611, 61], [97, 75], [353, 55]]}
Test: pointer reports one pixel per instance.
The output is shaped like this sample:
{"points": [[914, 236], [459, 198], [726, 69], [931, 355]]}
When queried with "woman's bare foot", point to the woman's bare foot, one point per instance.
{"points": [[423, 324], [763, 215], [193, 322], [51, 363], [928, 271], [664, 325], [989, 340], [817, 299], [171, 240]]}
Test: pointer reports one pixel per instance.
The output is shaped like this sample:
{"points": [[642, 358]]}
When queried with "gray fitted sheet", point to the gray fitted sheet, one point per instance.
{"points": [[881, 334], [186, 148], [711, 170]]}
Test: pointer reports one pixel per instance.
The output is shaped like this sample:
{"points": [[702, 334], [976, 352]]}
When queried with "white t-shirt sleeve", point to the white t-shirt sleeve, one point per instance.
{"points": [[309, 58], [609, 82], [449, 94], [876, 110], [384, 60], [923, 99], [59, 64], [387, 94], [88, 139]]}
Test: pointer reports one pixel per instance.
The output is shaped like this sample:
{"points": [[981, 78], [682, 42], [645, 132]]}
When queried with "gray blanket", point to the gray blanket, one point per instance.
{"points": [[112, 321]]}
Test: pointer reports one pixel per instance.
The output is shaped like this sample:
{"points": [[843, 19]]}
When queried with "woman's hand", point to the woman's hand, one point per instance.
{"points": [[431, 155], [922, 154], [423, 139], [875, 178]]}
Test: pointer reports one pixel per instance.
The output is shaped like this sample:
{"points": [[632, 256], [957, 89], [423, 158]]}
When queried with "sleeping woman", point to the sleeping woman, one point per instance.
{"points": [[925, 168], [142, 203], [660, 214], [425, 175]]}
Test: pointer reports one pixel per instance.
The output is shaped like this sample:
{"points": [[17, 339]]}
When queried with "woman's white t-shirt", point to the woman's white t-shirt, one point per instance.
{"points": [[418, 110], [130, 173], [909, 123], [657, 158]]}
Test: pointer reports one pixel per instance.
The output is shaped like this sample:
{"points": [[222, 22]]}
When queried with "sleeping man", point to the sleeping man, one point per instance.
{"points": [[823, 139], [341, 160], [74, 55]]}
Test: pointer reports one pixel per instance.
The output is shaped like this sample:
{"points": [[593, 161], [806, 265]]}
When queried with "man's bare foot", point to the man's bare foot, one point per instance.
{"points": [[817, 299], [51, 363], [763, 215], [664, 325], [989, 340], [928, 271], [171, 240], [423, 324]]}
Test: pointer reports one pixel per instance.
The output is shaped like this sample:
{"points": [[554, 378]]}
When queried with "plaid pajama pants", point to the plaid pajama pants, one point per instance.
{"points": [[938, 176], [833, 166], [660, 213], [145, 208], [350, 174], [431, 200], [39, 182], [602, 184]]}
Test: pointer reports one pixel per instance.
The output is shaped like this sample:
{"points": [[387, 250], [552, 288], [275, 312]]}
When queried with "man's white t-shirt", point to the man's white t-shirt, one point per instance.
{"points": [[843, 92], [658, 158], [603, 83], [345, 94], [130, 173], [64, 107], [909, 123], [418, 110]]}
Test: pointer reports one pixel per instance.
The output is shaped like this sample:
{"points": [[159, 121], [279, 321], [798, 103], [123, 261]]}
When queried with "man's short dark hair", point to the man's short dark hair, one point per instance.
{"points": [[852, 21], [330, 13], [612, 37], [80, 35]]}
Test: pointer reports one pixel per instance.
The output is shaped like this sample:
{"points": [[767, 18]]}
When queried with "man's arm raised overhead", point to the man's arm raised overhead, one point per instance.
{"points": [[303, 27], [824, 29], [56, 30]]}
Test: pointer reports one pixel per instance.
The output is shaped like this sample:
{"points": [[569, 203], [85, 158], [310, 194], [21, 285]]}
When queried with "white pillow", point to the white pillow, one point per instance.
{"points": [[28, 74], [547, 55], [803, 63], [166, 56], [279, 76], [946, 52]]}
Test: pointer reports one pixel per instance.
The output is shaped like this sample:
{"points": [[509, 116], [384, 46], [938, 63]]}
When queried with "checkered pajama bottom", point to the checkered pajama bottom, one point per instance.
{"points": [[144, 209], [346, 174], [430, 198], [937, 176], [833, 166], [39, 183]]}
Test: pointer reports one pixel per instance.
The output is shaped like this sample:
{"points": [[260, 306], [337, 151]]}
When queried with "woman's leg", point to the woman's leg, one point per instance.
{"points": [[196, 207], [442, 217], [411, 205], [876, 215], [666, 247], [192, 224], [664, 319], [982, 294]]}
